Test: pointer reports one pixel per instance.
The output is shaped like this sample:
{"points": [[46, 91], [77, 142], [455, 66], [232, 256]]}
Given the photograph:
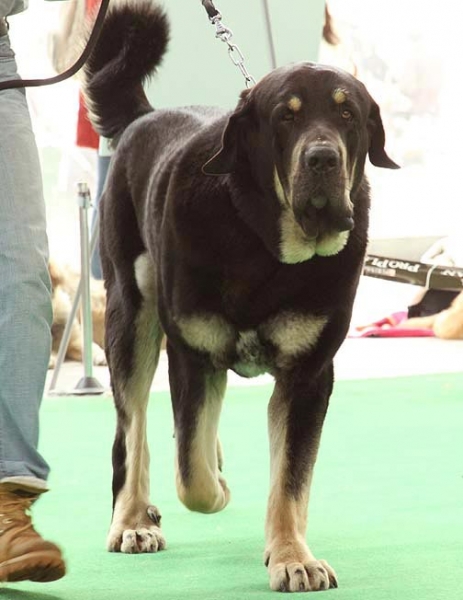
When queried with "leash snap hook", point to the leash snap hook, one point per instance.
{"points": [[224, 34], [221, 32]]}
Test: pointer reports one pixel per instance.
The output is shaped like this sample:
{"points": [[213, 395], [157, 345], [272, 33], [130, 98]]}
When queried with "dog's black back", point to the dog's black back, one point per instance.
{"points": [[241, 236]]}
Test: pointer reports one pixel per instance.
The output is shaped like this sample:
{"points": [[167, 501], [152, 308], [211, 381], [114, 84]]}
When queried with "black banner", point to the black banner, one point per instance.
{"points": [[416, 273]]}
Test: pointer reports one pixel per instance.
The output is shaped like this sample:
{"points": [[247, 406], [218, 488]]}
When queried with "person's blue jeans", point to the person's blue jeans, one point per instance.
{"points": [[25, 297], [103, 167]]}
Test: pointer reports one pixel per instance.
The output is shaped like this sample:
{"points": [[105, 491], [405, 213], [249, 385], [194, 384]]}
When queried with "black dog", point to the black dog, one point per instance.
{"points": [[241, 237]]}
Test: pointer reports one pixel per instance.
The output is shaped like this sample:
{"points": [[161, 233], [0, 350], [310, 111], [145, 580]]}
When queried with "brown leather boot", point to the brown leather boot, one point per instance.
{"points": [[24, 554]]}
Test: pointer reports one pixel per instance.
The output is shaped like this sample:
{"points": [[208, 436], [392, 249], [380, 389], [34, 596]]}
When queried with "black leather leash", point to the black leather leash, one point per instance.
{"points": [[222, 32], [21, 83], [210, 8]]}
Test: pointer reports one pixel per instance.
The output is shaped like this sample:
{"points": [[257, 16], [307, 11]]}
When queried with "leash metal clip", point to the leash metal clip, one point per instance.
{"points": [[224, 34]]}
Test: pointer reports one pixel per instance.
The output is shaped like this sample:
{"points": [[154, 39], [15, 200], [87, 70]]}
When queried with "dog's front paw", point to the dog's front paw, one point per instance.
{"points": [[136, 541], [140, 538], [292, 568], [311, 576], [98, 355]]}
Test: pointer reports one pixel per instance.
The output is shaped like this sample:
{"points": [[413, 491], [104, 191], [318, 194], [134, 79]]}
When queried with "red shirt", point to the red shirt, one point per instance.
{"points": [[87, 137]]}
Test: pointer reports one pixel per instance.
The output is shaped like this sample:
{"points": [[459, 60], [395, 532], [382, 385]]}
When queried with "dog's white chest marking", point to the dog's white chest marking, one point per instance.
{"points": [[294, 333], [252, 352], [207, 333]]}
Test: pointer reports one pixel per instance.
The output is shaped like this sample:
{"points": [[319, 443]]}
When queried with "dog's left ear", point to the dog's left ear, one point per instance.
{"points": [[224, 161], [376, 151]]}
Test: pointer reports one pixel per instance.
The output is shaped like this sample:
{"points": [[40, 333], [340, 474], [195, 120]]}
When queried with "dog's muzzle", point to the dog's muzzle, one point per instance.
{"points": [[322, 159], [321, 203]]}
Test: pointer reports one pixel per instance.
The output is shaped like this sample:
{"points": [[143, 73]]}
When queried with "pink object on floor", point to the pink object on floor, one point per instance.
{"points": [[390, 327]]}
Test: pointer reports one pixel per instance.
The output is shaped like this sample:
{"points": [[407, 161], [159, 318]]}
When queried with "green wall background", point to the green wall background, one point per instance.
{"points": [[197, 69]]}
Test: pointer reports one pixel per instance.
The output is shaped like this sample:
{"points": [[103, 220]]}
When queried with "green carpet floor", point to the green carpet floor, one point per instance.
{"points": [[386, 509]]}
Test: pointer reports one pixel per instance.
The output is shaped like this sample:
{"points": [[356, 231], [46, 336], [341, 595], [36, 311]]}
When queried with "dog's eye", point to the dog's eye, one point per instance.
{"points": [[347, 114], [287, 116]]}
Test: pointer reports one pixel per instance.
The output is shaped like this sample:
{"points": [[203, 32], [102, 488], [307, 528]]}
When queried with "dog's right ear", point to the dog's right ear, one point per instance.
{"points": [[224, 161], [376, 152]]}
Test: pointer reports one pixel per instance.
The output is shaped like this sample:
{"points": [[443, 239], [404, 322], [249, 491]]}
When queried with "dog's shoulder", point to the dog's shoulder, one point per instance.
{"points": [[169, 146]]}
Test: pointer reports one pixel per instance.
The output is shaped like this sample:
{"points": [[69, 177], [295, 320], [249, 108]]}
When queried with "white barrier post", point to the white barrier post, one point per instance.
{"points": [[87, 384]]}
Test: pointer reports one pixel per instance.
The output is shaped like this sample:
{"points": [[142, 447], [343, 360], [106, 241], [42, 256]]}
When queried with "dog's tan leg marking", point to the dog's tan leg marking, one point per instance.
{"points": [[135, 524], [207, 490], [291, 565]]}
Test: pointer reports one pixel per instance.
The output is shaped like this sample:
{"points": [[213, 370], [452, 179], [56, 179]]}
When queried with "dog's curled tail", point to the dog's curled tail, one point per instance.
{"points": [[131, 45]]}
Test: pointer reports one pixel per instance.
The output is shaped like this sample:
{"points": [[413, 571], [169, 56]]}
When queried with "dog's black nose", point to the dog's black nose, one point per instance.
{"points": [[322, 159], [344, 223]]}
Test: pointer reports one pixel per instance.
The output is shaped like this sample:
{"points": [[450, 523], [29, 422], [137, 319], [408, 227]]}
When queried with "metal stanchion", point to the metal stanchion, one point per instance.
{"points": [[87, 384]]}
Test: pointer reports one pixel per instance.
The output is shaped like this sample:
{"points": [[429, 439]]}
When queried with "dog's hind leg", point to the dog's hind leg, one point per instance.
{"points": [[133, 339], [197, 391], [296, 414]]}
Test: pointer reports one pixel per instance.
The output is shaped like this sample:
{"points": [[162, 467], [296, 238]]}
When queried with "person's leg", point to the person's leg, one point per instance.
{"points": [[25, 301], [25, 338], [103, 166]]}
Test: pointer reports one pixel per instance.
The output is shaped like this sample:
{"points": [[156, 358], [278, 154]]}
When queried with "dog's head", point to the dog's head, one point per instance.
{"points": [[304, 132]]}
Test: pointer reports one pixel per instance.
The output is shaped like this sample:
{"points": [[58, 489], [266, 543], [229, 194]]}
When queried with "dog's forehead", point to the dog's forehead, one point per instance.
{"points": [[301, 82]]}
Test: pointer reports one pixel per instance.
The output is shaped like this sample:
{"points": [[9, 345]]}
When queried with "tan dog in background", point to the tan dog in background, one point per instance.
{"points": [[64, 286]]}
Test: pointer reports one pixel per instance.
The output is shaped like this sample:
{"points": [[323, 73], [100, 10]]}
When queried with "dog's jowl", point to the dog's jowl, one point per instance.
{"points": [[240, 237]]}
